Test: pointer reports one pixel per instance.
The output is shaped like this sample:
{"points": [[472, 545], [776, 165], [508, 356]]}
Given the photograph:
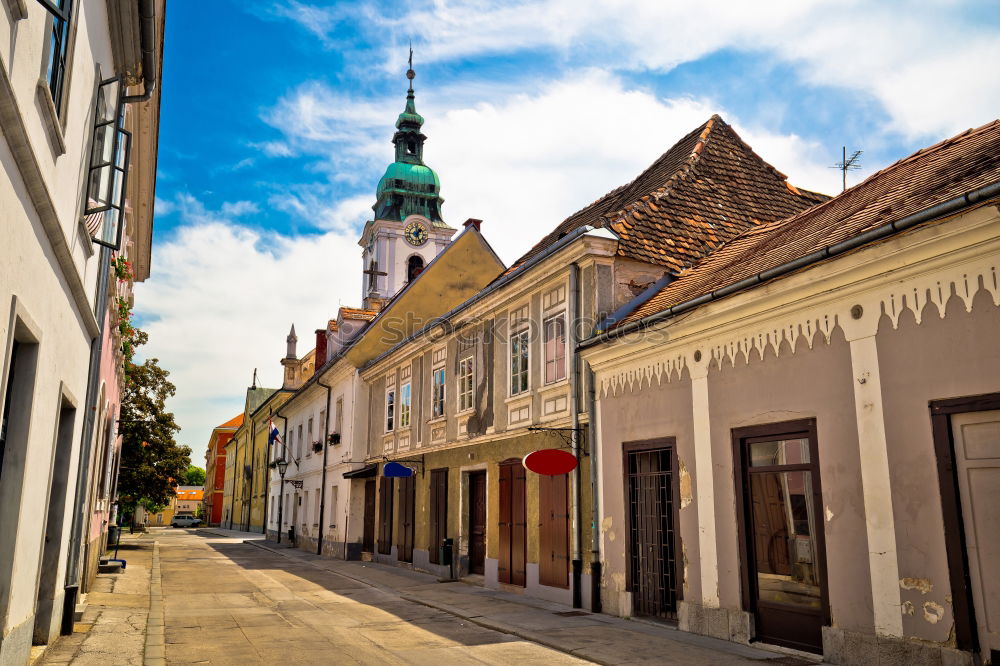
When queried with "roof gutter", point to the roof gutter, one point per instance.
{"points": [[147, 36], [878, 233], [502, 282]]}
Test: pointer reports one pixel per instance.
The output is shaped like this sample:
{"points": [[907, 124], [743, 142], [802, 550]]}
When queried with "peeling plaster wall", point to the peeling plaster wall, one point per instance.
{"points": [[811, 383], [655, 410], [938, 358]]}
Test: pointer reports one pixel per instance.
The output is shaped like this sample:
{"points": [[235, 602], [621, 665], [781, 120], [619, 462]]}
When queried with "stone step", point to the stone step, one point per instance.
{"points": [[109, 568]]}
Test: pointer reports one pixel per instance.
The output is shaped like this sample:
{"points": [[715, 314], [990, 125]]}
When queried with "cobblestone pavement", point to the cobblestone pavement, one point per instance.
{"points": [[203, 598]]}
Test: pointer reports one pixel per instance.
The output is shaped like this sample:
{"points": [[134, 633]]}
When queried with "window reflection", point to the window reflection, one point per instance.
{"points": [[781, 452], [784, 532]]}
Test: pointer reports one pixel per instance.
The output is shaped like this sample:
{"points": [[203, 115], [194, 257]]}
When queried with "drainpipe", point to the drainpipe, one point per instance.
{"points": [[322, 488], [147, 41], [595, 511], [574, 380]]}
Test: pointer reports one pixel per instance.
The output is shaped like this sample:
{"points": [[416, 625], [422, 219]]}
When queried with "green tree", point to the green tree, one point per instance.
{"points": [[194, 476], [152, 463]]}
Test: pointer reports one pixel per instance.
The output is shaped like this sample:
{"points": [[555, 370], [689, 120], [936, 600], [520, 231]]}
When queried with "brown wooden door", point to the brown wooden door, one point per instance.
{"points": [[553, 530], [439, 513], [407, 498], [368, 540], [385, 516], [782, 529], [513, 523], [477, 522], [651, 484], [977, 464]]}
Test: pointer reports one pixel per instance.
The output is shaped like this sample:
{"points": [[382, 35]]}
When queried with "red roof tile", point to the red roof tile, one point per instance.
{"points": [[705, 190], [930, 176]]}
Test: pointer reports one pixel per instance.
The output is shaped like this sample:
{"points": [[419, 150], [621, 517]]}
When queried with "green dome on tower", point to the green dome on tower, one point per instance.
{"points": [[409, 187]]}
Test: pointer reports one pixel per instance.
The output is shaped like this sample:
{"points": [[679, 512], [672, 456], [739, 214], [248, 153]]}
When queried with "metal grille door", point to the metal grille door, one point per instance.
{"points": [[652, 570]]}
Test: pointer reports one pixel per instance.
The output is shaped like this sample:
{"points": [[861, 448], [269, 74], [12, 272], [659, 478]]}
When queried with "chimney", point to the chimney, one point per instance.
{"points": [[320, 358], [474, 223]]}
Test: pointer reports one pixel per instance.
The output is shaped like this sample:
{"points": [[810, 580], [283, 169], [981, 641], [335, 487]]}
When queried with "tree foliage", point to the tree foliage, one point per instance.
{"points": [[152, 463], [194, 476]]}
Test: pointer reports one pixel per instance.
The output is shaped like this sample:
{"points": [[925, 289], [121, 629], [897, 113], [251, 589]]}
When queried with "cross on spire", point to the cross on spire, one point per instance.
{"points": [[409, 72]]}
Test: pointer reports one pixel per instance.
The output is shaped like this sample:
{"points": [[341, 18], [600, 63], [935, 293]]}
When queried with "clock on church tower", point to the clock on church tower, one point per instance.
{"points": [[408, 230]]}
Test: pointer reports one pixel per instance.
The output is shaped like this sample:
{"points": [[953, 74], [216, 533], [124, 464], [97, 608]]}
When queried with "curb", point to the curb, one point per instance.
{"points": [[155, 650], [479, 620]]}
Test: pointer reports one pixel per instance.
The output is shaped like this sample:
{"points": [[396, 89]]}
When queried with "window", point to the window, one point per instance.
{"points": [[333, 506], [322, 424], [298, 444], [555, 349], [58, 47], [465, 381], [414, 266], [519, 362], [309, 437], [437, 393], [316, 515], [390, 410], [338, 421], [404, 406]]}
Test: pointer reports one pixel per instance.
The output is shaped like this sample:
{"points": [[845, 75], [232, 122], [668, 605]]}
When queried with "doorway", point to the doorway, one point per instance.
{"points": [[650, 480], [512, 523], [439, 513], [477, 522], [368, 536], [385, 516], [553, 530], [407, 498], [782, 533], [967, 444]]}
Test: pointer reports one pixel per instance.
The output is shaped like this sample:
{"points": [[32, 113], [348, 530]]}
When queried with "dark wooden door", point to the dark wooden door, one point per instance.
{"points": [[368, 540], [407, 498], [513, 523], [553, 530], [652, 547], [385, 516], [782, 531], [477, 522], [439, 513]]}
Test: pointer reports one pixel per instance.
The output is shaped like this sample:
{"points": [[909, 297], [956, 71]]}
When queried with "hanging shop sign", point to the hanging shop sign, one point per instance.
{"points": [[550, 462], [394, 470]]}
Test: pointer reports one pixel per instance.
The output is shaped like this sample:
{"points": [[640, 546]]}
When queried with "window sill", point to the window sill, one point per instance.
{"points": [[520, 397], [561, 384], [439, 419], [50, 118]]}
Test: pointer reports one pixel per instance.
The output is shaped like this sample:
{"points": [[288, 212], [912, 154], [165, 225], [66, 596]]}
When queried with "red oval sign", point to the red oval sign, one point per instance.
{"points": [[550, 462]]}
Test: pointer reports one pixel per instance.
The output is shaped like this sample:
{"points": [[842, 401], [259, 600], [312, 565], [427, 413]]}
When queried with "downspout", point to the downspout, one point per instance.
{"points": [[322, 487], [147, 37], [595, 510], [574, 380]]}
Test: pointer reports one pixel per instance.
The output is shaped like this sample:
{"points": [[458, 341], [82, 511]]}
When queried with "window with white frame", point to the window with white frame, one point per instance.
{"points": [[437, 393], [554, 338], [519, 350], [466, 379], [298, 444], [309, 437], [390, 410], [404, 406], [338, 421]]}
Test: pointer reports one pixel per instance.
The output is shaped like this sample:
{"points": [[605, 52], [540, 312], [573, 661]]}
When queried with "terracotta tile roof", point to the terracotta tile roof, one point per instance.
{"points": [[709, 187], [930, 176], [358, 313], [234, 422]]}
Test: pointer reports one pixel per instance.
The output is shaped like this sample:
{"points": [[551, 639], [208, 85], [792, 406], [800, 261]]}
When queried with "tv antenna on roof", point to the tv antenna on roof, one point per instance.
{"points": [[848, 164]]}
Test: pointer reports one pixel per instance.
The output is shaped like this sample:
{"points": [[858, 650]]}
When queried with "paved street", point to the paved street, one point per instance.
{"points": [[191, 596]]}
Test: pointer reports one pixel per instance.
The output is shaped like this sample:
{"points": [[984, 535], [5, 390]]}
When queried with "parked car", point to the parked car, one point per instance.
{"points": [[185, 521]]}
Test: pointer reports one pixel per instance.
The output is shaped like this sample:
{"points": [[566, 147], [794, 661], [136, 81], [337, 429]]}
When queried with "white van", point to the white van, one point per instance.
{"points": [[185, 521]]}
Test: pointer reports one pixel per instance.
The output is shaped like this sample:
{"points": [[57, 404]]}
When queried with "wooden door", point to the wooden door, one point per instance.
{"points": [[651, 484], [385, 516], [782, 529], [553, 530], [512, 524], [407, 498], [977, 465], [368, 540], [477, 522], [439, 513]]}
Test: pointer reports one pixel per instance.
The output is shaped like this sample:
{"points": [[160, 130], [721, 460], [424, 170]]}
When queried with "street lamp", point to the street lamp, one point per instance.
{"points": [[282, 466]]}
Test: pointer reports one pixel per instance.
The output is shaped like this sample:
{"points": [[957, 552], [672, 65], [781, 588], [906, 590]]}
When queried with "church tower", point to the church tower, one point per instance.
{"points": [[408, 231]]}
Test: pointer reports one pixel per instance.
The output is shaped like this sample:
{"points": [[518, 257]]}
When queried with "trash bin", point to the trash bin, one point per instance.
{"points": [[447, 550], [291, 535], [112, 535]]}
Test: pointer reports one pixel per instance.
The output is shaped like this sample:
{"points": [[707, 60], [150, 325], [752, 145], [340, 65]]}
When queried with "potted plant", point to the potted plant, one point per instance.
{"points": [[335, 438], [317, 446]]}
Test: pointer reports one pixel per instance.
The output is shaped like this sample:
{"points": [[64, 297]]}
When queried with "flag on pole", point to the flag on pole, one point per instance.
{"points": [[273, 435]]}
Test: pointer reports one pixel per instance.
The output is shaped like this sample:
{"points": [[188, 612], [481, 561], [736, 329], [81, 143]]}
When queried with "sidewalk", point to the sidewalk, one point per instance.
{"points": [[233, 534], [603, 639]]}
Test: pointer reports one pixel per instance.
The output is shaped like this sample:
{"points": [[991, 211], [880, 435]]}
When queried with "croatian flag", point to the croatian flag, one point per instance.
{"points": [[272, 434]]}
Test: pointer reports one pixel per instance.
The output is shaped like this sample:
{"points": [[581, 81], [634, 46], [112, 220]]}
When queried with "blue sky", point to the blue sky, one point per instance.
{"points": [[277, 118]]}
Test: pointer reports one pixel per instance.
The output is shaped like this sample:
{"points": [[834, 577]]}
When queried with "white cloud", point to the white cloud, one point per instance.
{"points": [[220, 301], [923, 64], [238, 208], [273, 148], [523, 162]]}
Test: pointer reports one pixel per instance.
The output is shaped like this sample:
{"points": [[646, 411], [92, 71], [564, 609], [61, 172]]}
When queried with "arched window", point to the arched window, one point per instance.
{"points": [[414, 265]]}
